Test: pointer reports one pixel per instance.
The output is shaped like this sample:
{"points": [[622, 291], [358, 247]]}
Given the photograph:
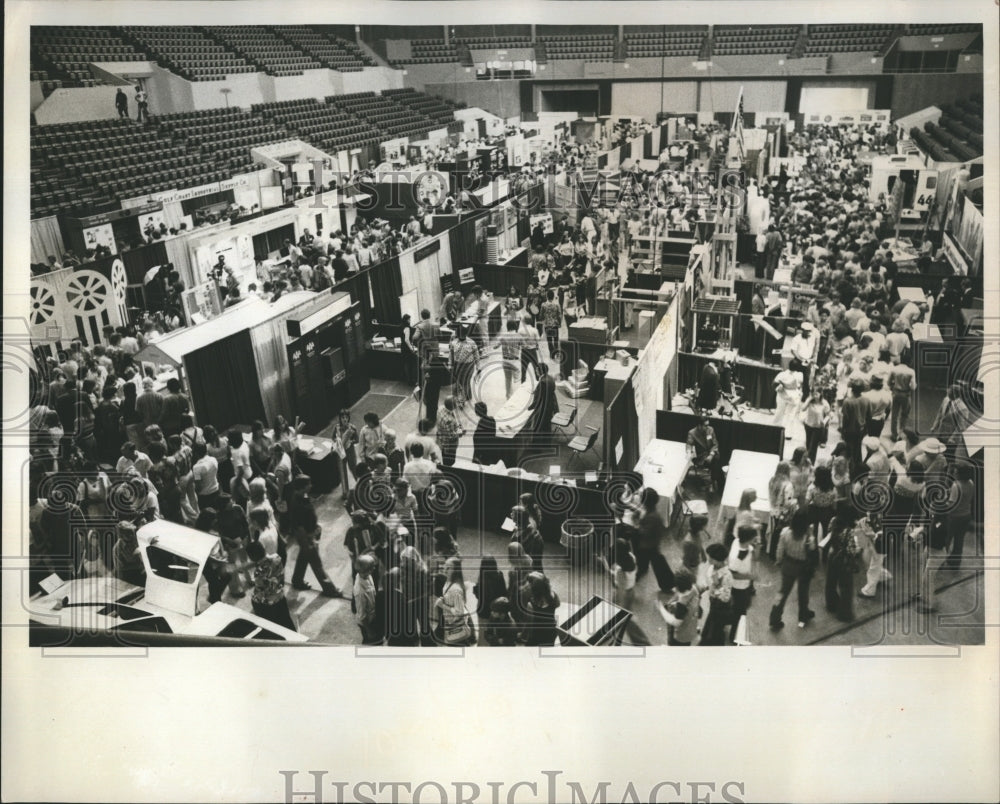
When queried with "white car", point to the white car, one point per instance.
{"points": [[174, 557]]}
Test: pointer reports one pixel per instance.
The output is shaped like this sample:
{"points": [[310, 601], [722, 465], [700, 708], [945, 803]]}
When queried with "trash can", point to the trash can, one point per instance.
{"points": [[578, 539]]}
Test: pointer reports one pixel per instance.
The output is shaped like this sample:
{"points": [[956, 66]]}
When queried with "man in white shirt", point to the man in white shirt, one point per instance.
{"points": [[430, 447], [418, 472], [804, 347], [788, 392], [133, 459]]}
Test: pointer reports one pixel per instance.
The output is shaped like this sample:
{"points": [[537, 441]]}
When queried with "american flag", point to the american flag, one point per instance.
{"points": [[737, 128]]}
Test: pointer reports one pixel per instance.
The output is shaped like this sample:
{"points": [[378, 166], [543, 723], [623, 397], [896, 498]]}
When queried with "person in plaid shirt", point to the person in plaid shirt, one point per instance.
{"points": [[449, 430], [551, 314], [268, 597], [464, 365]]}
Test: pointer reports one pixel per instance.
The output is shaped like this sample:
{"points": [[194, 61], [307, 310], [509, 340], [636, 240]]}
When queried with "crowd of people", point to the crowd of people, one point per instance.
{"points": [[881, 499], [868, 499]]}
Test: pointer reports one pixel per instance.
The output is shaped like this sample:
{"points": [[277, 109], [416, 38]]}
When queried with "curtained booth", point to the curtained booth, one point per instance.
{"points": [[240, 353]]}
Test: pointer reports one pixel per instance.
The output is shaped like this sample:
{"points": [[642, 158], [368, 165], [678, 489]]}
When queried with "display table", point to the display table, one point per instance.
{"points": [[932, 355], [608, 376], [757, 378], [494, 317], [915, 295], [518, 257], [384, 364], [514, 415], [320, 461], [748, 470], [663, 466], [489, 492]]}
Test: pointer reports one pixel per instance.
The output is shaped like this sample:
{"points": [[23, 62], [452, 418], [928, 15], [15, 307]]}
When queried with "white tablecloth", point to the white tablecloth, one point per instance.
{"points": [[748, 470], [514, 415], [663, 467]]}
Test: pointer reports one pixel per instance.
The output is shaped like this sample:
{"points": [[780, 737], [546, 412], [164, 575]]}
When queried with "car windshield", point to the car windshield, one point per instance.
{"points": [[241, 629], [170, 565]]}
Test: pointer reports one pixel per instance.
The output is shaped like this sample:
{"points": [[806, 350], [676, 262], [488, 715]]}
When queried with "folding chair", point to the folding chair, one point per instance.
{"points": [[563, 420], [581, 444]]}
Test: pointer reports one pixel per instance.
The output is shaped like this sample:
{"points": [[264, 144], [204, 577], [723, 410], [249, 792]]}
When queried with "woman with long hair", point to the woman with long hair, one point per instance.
{"points": [[784, 503], [217, 446], [796, 556], [844, 561], [800, 473], [623, 574], [452, 608], [905, 513], [542, 605], [520, 563], [489, 587], [415, 585], [821, 499], [527, 534], [743, 518]]}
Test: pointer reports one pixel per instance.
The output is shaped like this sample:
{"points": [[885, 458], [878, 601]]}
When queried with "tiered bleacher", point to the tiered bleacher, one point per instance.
{"points": [[389, 117], [40, 73], [430, 51], [331, 51], [934, 29], [222, 136], [268, 51], [321, 124], [957, 136], [493, 42], [104, 160], [437, 109], [70, 51], [188, 52], [752, 40], [827, 39], [645, 44], [591, 47]]}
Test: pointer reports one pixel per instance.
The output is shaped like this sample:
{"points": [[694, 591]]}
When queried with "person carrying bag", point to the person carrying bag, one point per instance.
{"points": [[456, 621]]}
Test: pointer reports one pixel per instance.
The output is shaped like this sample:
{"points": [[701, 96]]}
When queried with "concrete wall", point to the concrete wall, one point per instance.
{"points": [[245, 90], [169, 93], [643, 98], [311, 84], [81, 103], [502, 98], [35, 95], [372, 79]]}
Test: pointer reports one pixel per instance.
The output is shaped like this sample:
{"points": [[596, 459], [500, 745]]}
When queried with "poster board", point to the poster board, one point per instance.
{"points": [[201, 303], [408, 303]]}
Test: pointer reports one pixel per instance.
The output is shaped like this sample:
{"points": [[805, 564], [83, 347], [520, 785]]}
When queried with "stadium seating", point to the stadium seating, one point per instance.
{"points": [[324, 125], [329, 50], [222, 136], [826, 39], [932, 29], [687, 42], [265, 49], [188, 52], [430, 51], [105, 160], [753, 40], [589, 47], [957, 136], [67, 53]]}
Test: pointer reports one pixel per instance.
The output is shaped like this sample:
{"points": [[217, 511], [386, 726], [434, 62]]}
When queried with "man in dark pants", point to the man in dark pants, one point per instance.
{"points": [[650, 530], [855, 417], [544, 403], [305, 530], [436, 376]]}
